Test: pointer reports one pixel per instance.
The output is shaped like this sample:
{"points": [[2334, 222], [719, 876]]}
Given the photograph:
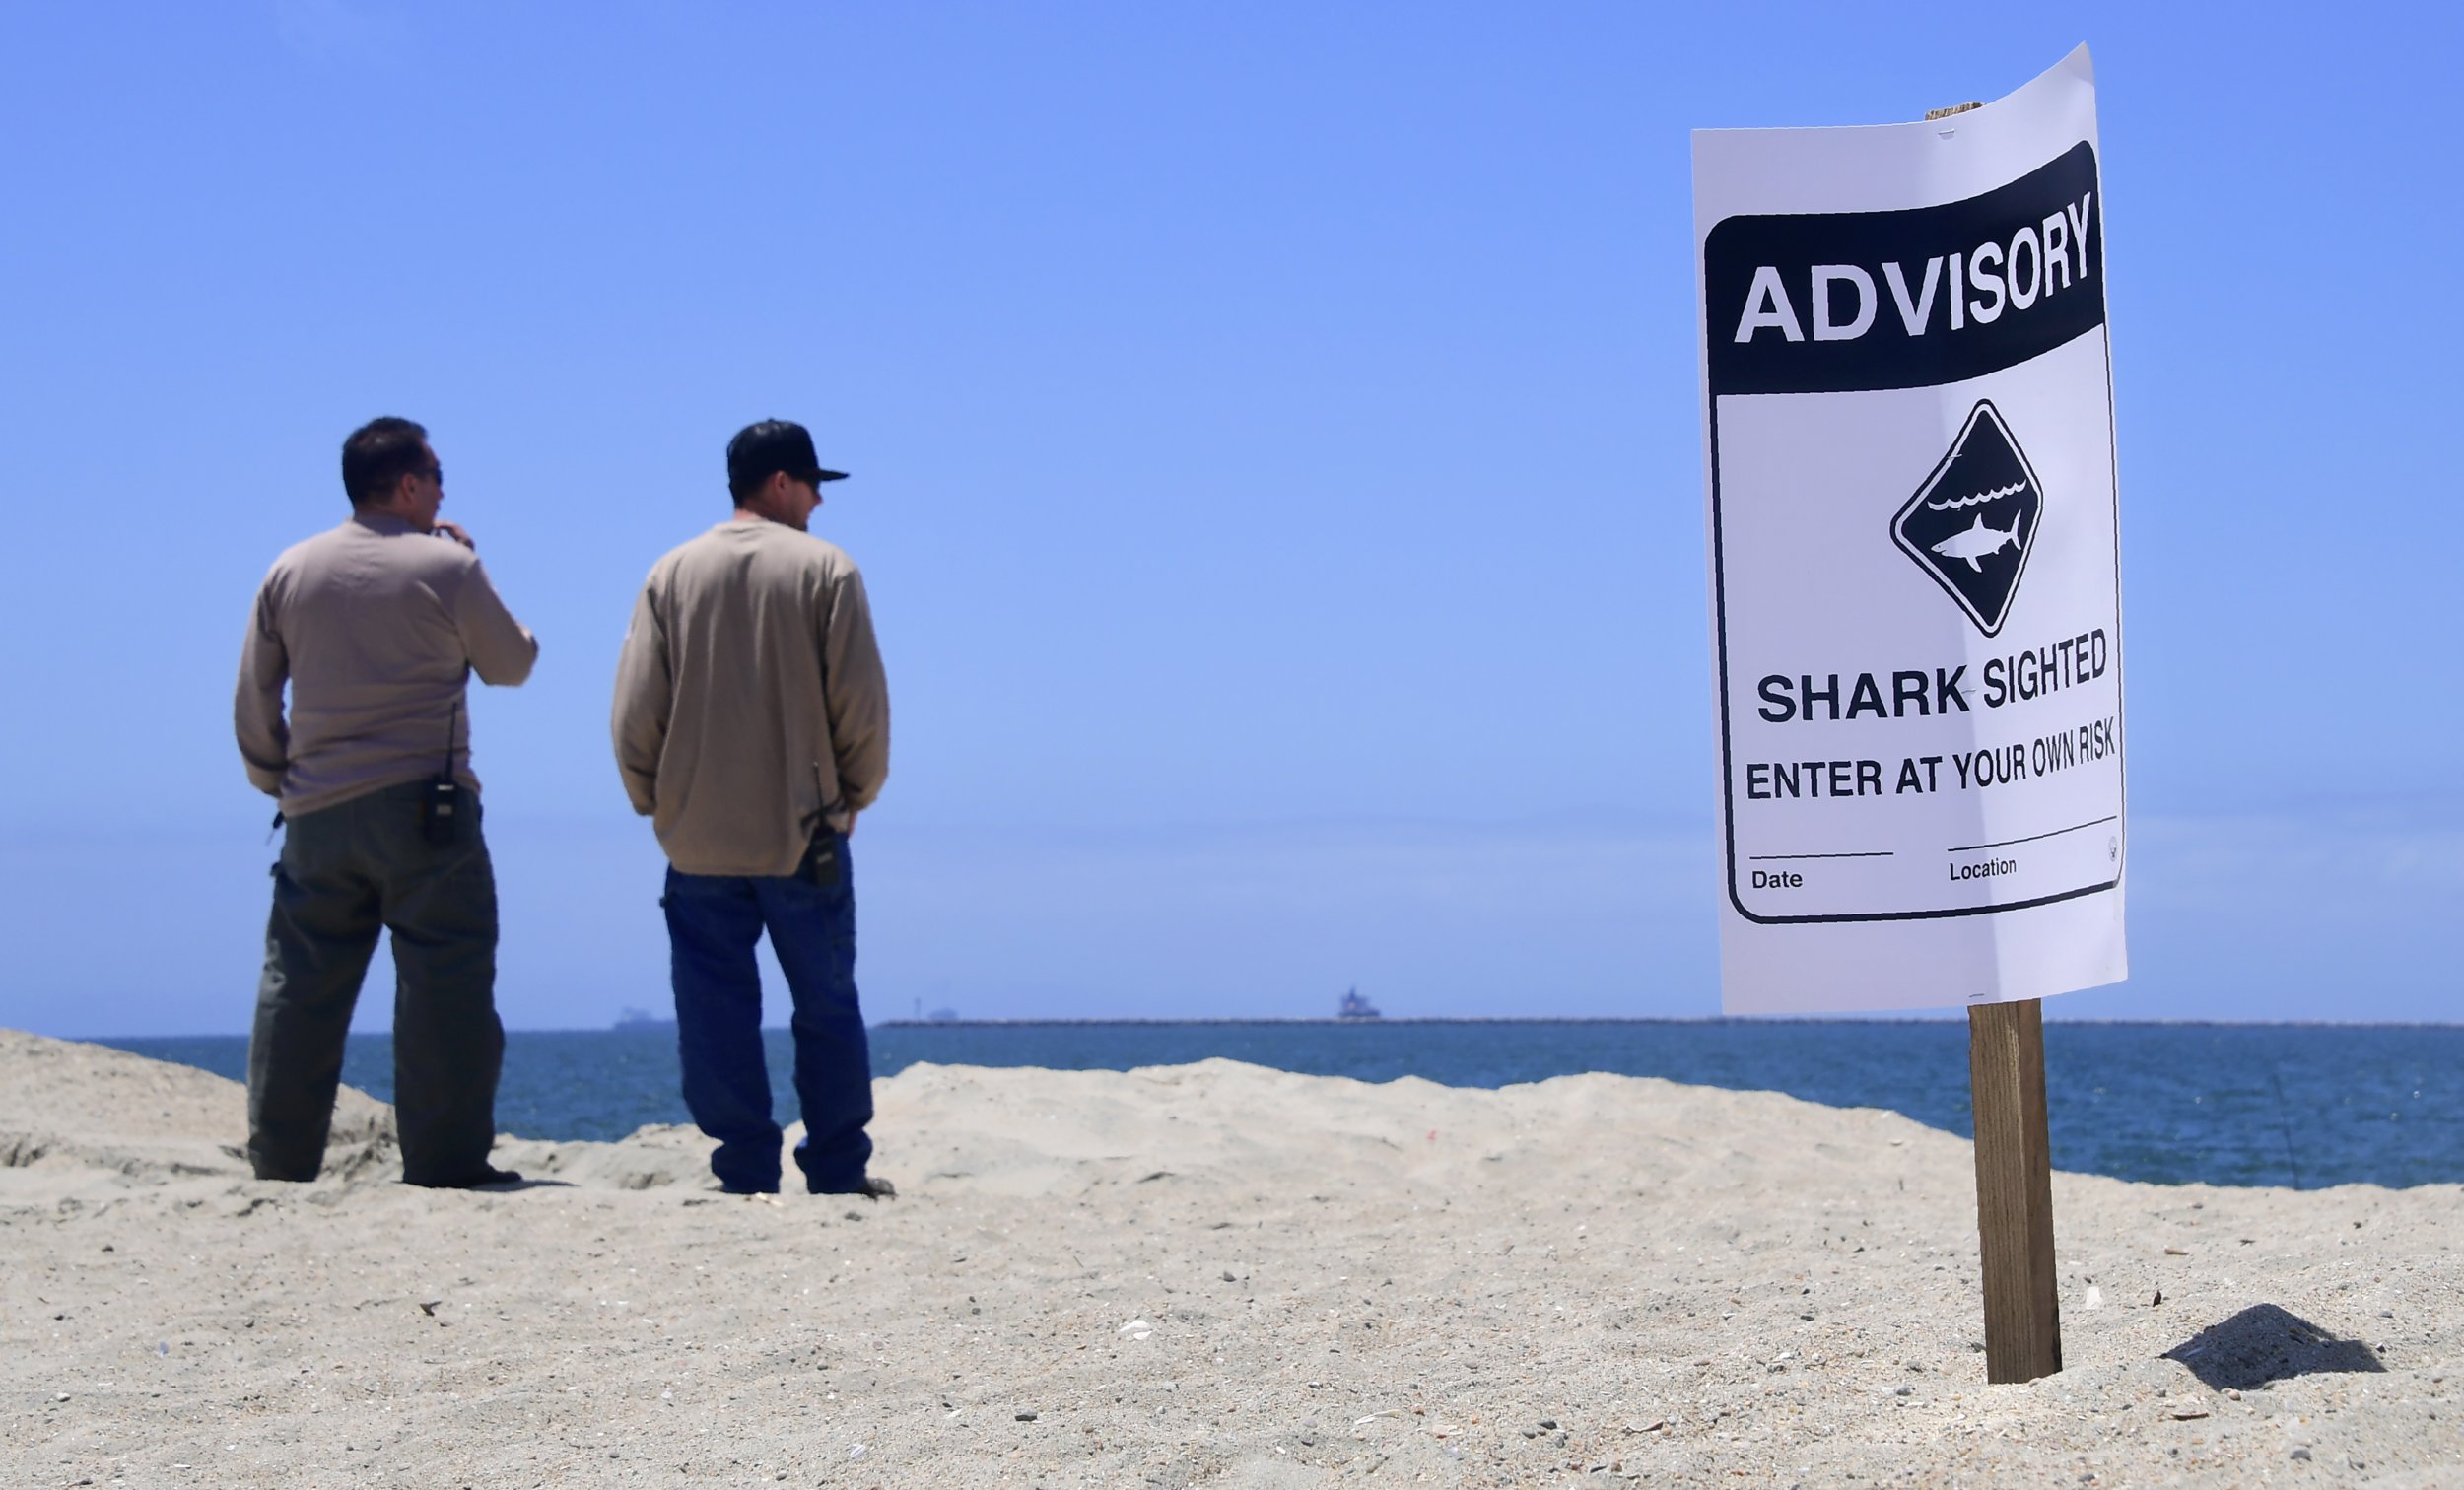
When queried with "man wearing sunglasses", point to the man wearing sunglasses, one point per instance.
{"points": [[752, 724], [377, 626]]}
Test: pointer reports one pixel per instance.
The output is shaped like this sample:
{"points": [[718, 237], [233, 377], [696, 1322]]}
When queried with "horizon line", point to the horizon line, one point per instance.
{"points": [[1060, 1022]]}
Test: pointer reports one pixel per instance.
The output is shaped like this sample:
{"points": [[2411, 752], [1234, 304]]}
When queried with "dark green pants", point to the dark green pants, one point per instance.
{"points": [[347, 872]]}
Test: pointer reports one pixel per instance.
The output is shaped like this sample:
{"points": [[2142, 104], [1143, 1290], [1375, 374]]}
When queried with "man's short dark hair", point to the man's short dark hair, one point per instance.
{"points": [[378, 454]]}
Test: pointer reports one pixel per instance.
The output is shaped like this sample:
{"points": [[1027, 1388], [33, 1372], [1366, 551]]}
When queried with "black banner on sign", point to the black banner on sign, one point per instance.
{"points": [[1827, 303]]}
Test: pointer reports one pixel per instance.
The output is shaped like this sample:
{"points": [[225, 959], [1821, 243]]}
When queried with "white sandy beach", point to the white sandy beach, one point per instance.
{"points": [[1212, 1274]]}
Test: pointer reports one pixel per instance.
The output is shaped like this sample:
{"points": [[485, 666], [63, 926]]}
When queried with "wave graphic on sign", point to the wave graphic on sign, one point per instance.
{"points": [[1995, 494]]}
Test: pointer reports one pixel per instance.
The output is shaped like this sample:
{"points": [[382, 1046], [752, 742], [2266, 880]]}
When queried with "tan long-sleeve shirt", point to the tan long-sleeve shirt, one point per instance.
{"points": [[750, 699], [376, 626]]}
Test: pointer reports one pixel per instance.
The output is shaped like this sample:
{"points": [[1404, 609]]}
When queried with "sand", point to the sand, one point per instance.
{"points": [[1198, 1275]]}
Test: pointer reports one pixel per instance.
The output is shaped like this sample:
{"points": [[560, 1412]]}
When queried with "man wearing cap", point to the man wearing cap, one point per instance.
{"points": [[752, 724]]}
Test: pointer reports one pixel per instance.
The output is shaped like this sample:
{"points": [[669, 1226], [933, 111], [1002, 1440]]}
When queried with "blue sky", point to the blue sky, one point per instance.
{"points": [[1276, 438]]}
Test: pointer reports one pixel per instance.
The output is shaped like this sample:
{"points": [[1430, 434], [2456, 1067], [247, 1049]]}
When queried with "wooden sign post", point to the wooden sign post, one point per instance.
{"points": [[2014, 1190], [2013, 1167]]}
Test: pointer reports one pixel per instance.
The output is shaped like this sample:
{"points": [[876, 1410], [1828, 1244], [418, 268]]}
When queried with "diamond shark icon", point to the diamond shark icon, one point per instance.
{"points": [[1973, 522]]}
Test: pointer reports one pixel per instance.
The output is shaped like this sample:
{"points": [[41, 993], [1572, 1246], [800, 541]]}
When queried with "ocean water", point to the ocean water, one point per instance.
{"points": [[2301, 1105]]}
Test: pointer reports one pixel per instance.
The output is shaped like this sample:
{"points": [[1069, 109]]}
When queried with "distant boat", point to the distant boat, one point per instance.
{"points": [[943, 1016], [1354, 1006], [643, 1019]]}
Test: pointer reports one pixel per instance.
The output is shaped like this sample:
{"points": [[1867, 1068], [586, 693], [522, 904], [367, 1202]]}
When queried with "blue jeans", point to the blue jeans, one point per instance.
{"points": [[714, 922]]}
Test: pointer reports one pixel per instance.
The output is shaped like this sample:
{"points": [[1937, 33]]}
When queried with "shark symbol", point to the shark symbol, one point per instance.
{"points": [[1976, 541], [1982, 499]]}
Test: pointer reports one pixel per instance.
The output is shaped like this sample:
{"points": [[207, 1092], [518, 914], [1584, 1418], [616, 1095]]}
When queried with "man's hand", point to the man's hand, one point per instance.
{"points": [[457, 533]]}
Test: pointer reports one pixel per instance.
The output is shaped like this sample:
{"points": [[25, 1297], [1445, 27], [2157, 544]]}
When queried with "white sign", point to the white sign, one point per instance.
{"points": [[1916, 622]]}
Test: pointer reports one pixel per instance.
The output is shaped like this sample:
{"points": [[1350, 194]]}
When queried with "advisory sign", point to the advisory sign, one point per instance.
{"points": [[1916, 615]]}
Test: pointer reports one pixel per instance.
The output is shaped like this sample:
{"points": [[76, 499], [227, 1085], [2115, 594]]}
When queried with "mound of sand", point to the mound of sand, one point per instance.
{"points": [[70, 1111], [1209, 1274]]}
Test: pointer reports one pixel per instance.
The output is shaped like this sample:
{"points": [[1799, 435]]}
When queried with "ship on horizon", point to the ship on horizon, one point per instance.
{"points": [[644, 1019], [1354, 1006]]}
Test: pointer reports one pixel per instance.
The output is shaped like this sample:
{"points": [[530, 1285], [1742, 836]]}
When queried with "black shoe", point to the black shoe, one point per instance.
{"points": [[486, 1177], [873, 1188]]}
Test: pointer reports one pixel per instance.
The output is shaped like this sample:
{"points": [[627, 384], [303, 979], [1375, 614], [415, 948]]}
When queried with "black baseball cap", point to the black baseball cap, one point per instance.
{"points": [[774, 444]]}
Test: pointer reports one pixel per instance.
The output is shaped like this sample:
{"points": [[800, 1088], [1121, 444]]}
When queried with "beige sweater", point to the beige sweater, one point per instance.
{"points": [[376, 626], [750, 701]]}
